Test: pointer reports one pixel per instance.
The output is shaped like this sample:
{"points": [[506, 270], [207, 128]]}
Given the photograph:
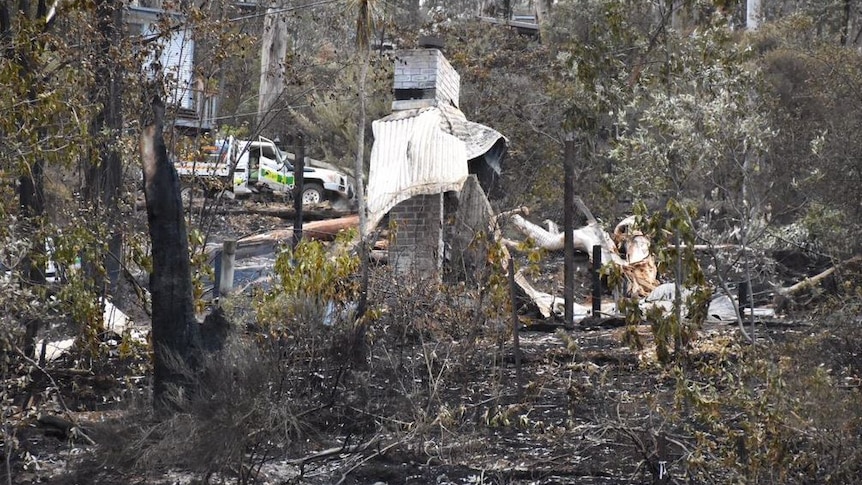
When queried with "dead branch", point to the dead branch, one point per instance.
{"points": [[579, 203], [379, 452], [73, 429], [334, 451], [325, 230], [584, 239], [547, 304], [816, 279], [708, 247], [494, 223], [283, 212]]}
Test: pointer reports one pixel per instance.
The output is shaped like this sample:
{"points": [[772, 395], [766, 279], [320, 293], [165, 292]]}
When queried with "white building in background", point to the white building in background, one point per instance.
{"points": [[195, 108]]}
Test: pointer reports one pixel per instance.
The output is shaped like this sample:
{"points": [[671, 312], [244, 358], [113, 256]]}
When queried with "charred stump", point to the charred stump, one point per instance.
{"points": [[174, 325]]}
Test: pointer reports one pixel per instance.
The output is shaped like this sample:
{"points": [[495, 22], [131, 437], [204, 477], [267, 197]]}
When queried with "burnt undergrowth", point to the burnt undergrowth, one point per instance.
{"points": [[434, 396]]}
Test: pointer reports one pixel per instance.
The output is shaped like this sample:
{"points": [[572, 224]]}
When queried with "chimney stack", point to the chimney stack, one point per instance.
{"points": [[424, 78]]}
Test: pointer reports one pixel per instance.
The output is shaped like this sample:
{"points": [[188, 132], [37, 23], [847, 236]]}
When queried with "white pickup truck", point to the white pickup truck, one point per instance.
{"points": [[259, 164]]}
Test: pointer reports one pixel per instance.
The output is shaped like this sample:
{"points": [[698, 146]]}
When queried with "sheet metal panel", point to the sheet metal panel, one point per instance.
{"points": [[478, 139], [412, 156]]}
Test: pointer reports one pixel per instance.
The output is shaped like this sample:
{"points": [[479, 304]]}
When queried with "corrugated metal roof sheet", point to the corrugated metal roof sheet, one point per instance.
{"points": [[477, 138], [421, 151]]}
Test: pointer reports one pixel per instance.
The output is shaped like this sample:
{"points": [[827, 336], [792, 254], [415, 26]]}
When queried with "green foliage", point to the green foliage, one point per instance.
{"points": [[601, 49], [43, 100], [811, 83], [672, 237], [634, 316], [698, 125], [313, 275], [328, 117], [80, 298], [199, 263], [240, 132], [497, 283], [773, 415], [506, 84]]}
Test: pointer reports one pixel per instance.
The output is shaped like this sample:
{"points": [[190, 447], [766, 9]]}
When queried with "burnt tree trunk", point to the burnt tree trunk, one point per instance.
{"points": [[104, 174], [174, 324], [32, 204]]}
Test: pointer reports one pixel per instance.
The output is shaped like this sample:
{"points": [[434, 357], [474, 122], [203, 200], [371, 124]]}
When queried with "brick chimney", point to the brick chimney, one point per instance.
{"points": [[424, 78]]}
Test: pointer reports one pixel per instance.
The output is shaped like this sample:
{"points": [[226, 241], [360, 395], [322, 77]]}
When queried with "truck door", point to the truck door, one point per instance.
{"points": [[253, 164], [273, 170], [239, 162]]}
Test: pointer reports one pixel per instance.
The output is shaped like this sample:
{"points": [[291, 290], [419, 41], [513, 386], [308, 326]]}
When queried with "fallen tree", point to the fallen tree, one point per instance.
{"points": [[787, 296], [638, 266], [324, 230]]}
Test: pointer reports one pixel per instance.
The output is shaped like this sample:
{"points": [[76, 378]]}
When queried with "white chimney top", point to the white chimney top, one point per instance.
{"points": [[423, 78]]}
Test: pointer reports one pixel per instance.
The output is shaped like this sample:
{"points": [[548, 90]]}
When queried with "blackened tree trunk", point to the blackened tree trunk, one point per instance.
{"points": [[174, 324], [32, 205], [845, 21], [31, 189], [363, 33], [104, 174]]}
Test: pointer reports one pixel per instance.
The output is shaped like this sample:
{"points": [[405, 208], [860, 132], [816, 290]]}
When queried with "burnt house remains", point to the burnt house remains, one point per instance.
{"points": [[430, 171]]}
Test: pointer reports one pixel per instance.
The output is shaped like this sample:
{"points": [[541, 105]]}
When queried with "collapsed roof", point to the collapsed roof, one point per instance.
{"points": [[428, 150]]}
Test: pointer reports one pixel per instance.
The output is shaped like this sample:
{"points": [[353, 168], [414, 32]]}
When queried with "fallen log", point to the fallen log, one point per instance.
{"points": [[547, 304], [584, 238], [783, 296], [639, 270], [284, 212], [324, 230], [553, 306], [327, 230]]}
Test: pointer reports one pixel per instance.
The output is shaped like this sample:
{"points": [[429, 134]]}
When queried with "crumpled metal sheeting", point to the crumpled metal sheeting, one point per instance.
{"points": [[478, 139], [422, 151], [412, 156]]}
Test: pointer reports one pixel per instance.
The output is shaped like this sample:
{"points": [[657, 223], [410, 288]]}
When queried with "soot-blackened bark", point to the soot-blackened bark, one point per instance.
{"points": [[174, 324], [104, 174], [32, 204]]}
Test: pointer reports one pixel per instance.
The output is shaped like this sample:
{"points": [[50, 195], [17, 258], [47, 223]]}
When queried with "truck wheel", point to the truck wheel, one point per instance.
{"points": [[312, 193]]}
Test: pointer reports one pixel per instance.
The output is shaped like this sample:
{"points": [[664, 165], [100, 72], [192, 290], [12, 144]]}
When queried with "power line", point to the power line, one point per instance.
{"points": [[281, 10]]}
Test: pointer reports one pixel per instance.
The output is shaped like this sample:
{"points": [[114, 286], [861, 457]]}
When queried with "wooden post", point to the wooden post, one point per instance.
{"points": [[597, 279], [228, 255], [568, 237], [217, 273], [515, 337], [743, 295], [299, 185]]}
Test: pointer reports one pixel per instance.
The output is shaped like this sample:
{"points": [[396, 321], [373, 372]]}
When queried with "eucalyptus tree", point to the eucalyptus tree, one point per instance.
{"points": [[603, 52], [273, 51], [43, 125], [812, 81], [753, 14]]}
